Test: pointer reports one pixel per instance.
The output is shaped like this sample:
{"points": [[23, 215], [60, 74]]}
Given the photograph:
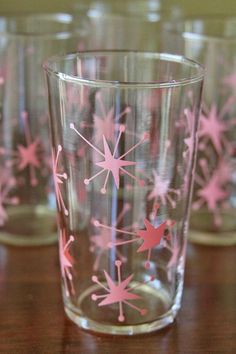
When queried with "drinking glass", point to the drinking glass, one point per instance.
{"points": [[27, 202], [212, 42], [123, 25], [123, 130]]}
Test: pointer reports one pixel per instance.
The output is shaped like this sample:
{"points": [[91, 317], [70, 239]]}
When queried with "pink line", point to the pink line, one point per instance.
{"points": [[118, 230], [97, 174], [118, 272], [117, 142], [88, 142], [121, 313], [119, 243], [106, 179], [103, 286], [131, 149], [129, 174], [132, 306]]}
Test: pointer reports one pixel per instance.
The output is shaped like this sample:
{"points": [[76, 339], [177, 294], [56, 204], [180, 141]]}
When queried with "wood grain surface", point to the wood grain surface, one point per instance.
{"points": [[32, 319]]}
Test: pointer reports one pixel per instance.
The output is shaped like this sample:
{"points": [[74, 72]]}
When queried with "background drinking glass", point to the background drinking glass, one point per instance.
{"points": [[123, 25], [212, 42], [27, 203], [123, 135]]}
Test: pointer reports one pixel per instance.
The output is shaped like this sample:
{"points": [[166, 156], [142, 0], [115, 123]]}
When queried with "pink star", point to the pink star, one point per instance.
{"points": [[28, 155], [212, 127], [151, 237], [111, 163], [66, 260], [118, 292]]}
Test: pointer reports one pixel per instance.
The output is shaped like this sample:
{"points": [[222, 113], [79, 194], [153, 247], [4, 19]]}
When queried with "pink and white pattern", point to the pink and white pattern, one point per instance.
{"points": [[119, 292], [66, 261], [7, 185], [111, 163]]}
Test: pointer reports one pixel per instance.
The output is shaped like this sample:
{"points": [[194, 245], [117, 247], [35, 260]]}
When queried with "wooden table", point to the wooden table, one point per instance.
{"points": [[32, 319]]}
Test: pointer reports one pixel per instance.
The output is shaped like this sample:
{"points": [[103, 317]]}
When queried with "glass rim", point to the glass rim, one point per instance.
{"points": [[201, 36], [60, 17], [171, 58]]}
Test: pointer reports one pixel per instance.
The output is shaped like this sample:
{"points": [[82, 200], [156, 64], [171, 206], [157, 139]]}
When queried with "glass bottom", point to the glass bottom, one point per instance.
{"points": [[203, 229], [161, 312], [212, 238], [29, 226]]}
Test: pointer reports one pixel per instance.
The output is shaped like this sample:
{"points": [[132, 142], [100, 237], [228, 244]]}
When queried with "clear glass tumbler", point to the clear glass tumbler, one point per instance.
{"points": [[212, 42], [123, 24], [123, 136], [27, 202]]}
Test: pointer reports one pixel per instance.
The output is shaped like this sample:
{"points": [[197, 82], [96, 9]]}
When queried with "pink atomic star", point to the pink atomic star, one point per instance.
{"points": [[151, 237], [161, 190], [211, 191], [118, 292], [213, 128], [27, 155], [101, 241], [66, 260], [111, 164], [58, 180], [189, 141], [7, 183], [107, 122]]}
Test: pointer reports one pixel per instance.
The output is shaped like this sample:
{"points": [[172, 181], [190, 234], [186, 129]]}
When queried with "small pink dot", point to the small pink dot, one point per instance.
{"points": [[59, 147], [86, 181], [152, 278], [96, 223], [147, 265], [142, 183], [34, 182], [128, 109], [72, 238], [121, 318], [118, 263], [146, 136], [72, 126], [2, 80], [66, 212], [65, 175], [103, 190], [122, 128], [143, 312], [94, 278], [94, 297]]}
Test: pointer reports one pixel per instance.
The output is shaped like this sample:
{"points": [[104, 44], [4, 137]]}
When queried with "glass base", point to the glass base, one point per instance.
{"points": [[89, 316], [29, 226], [212, 238], [204, 230]]}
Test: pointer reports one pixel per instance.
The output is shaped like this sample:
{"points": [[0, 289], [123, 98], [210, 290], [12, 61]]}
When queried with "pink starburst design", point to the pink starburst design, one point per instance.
{"points": [[7, 183], [213, 128], [118, 292], [112, 164], [161, 191], [66, 261], [58, 177], [101, 241], [189, 141], [151, 237], [211, 191], [27, 155], [107, 122]]}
